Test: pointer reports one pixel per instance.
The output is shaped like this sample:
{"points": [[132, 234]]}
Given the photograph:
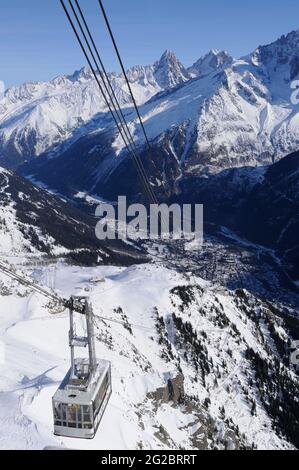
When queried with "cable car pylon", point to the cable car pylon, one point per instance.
{"points": [[82, 397]]}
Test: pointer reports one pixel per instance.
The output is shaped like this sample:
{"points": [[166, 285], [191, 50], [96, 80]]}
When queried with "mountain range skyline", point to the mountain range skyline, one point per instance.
{"points": [[202, 341], [253, 93], [36, 42], [167, 52]]}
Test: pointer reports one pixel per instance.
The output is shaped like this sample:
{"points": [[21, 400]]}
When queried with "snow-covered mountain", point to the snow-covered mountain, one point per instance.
{"points": [[166, 73], [193, 366], [196, 364], [261, 204], [38, 117], [232, 112], [35, 223], [211, 62], [239, 114], [220, 113]]}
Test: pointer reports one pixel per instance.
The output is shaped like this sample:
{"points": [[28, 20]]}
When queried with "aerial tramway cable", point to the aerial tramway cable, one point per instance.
{"points": [[109, 28], [25, 282], [54, 297], [123, 70], [118, 125], [82, 372], [122, 124], [111, 93]]}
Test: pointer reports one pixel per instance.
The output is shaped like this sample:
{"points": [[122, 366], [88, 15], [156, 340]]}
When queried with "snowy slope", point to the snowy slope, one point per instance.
{"points": [[260, 204], [202, 339], [234, 112], [230, 113], [211, 62], [41, 116], [34, 222]]}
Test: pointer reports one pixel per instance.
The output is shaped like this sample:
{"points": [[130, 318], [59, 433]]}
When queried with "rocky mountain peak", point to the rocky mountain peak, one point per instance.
{"points": [[169, 71], [81, 75], [211, 62], [282, 53], [168, 57]]}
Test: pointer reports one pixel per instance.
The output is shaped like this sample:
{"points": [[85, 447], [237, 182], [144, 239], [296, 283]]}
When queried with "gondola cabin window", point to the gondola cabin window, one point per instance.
{"points": [[101, 394], [73, 415], [79, 404]]}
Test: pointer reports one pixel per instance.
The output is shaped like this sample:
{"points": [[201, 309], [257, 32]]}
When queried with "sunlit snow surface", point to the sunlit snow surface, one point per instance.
{"points": [[35, 357], [238, 112]]}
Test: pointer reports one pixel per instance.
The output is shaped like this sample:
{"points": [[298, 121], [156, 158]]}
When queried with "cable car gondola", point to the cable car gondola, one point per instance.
{"points": [[81, 399]]}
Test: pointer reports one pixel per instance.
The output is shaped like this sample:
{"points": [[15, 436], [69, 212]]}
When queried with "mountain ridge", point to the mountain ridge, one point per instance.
{"points": [[36, 223], [233, 113]]}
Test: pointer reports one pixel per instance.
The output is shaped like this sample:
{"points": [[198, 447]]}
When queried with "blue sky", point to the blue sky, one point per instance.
{"points": [[36, 42]]}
